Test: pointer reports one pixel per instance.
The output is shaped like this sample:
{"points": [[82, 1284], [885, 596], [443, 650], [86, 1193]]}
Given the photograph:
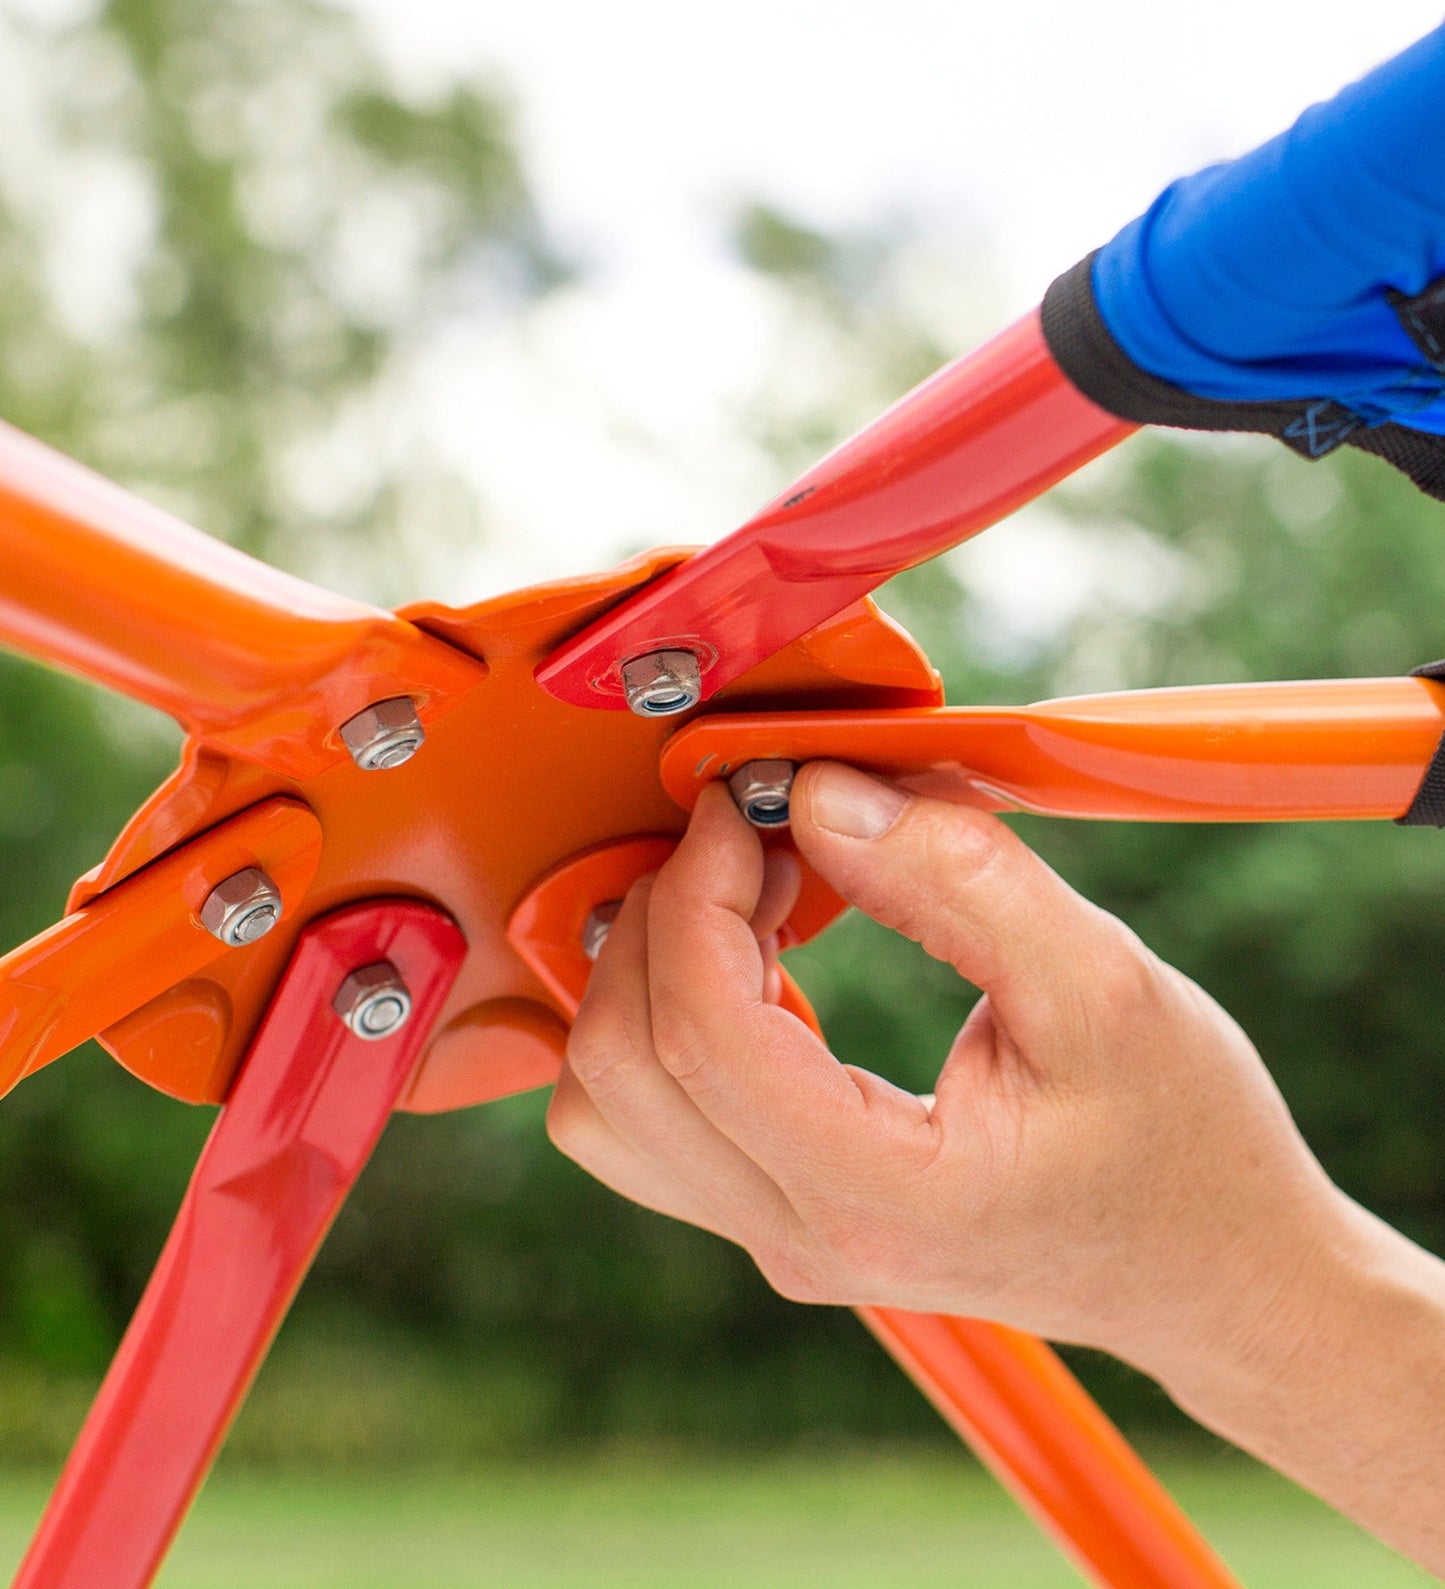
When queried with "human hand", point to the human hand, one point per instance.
{"points": [[1106, 1159]]}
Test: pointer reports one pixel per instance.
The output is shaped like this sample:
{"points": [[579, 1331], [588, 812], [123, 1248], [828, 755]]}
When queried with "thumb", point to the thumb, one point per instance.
{"points": [[967, 888]]}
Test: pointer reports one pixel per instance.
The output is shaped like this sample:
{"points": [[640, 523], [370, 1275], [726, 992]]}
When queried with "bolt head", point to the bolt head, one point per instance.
{"points": [[662, 683], [385, 735], [597, 926], [761, 790], [373, 1001], [242, 908]]}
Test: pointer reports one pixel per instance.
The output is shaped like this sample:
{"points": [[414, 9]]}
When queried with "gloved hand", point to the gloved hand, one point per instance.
{"points": [[1298, 290]]}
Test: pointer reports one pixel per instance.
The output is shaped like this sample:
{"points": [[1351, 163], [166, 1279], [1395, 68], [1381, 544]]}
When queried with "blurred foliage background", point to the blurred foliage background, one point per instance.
{"points": [[305, 224]]}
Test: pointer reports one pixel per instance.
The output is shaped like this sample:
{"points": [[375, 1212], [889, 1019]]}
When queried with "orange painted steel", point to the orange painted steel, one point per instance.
{"points": [[546, 927], [508, 783], [1339, 748], [1030, 1421], [109, 587], [1005, 1393], [142, 938]]}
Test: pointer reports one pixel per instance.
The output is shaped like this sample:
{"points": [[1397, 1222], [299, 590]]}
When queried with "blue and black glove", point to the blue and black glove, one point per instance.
{"points": [[1298, 291]]}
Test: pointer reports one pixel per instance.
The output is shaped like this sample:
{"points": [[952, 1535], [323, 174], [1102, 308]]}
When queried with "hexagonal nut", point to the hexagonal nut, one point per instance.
{"points": [[373, 1001], [242, 908], [762, 790], [662, 683], [597, 926], [386, 734]]}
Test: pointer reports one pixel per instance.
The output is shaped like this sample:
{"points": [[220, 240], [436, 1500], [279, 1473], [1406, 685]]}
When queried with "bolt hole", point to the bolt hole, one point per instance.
{"points": [[768, 811], [667, 704]]}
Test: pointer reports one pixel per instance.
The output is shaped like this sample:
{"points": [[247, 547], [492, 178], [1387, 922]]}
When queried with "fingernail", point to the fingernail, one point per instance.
{"points": [[849, 802]]}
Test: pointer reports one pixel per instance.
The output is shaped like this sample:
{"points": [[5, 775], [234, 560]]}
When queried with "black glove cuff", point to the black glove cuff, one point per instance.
{"points": [[1085, 349], [1427, 809]]}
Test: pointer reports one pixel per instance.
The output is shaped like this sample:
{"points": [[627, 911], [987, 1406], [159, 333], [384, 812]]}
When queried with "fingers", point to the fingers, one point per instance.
{"points": [[577, 1127], [782, 877], [973, 894], [753, 1070], [611, 1056]]}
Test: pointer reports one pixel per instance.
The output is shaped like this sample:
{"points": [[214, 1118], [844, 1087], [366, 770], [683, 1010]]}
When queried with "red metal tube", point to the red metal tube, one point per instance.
{"points": [[287, 1147], [980, 438]]}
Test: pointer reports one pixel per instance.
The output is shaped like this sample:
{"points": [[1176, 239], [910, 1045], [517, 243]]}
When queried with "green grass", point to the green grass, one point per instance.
{"points": [[902, 1522]]}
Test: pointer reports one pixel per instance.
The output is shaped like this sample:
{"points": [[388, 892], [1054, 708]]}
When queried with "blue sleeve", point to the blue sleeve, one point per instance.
{"points": [[1266, 277]]}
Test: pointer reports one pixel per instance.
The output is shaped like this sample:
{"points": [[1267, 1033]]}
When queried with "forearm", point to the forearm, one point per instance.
{"points": [[1343, 1386]]}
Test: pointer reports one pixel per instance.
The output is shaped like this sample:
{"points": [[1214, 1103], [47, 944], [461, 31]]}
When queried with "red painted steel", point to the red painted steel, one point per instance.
{"points": [[295, 1133], [1005, 1393], [1031, 1422], [980, 438], [1318, 749]]}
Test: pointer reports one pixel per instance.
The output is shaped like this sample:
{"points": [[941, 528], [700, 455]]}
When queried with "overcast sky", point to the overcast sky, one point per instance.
{"points": [[1038, 126]]}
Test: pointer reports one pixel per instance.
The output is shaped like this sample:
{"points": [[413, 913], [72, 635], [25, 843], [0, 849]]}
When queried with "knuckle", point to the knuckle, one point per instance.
{"points": [[591, 1051], [682, 1048], [963, 844], [599, 1052], [952, 852], [797, 1275], [1126, 979]]}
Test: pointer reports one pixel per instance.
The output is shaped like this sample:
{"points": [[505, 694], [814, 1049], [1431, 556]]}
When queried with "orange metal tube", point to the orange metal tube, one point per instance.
{"points": [[1029, 1420], [109, 958], [103, 584], [1338, 748]]}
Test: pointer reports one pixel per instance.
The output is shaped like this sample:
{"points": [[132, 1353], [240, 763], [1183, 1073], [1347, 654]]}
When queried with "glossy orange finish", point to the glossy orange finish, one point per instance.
{"points": [[1031, 1422], [1338, 748], [142, 938], [1006, 1394], [266, 666], [546, 927], [295, 1133], [981, 437], [509, 783]]}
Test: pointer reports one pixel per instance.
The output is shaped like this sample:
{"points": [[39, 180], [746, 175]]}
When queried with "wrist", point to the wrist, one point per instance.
{"points": [[1336, 1376]]}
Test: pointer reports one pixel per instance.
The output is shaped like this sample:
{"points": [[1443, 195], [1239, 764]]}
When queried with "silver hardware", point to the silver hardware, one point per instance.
{"points": [[385, 735], [761, 791], [373, 1001], [662, 683], [597, 926], [242, 908]]}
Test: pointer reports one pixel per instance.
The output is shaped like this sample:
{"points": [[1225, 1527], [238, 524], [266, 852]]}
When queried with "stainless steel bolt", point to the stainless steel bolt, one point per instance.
{"points": [[597, 926], [373, 1001], [761, 791], [242, 908], [662, 683], [385, 735]]}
